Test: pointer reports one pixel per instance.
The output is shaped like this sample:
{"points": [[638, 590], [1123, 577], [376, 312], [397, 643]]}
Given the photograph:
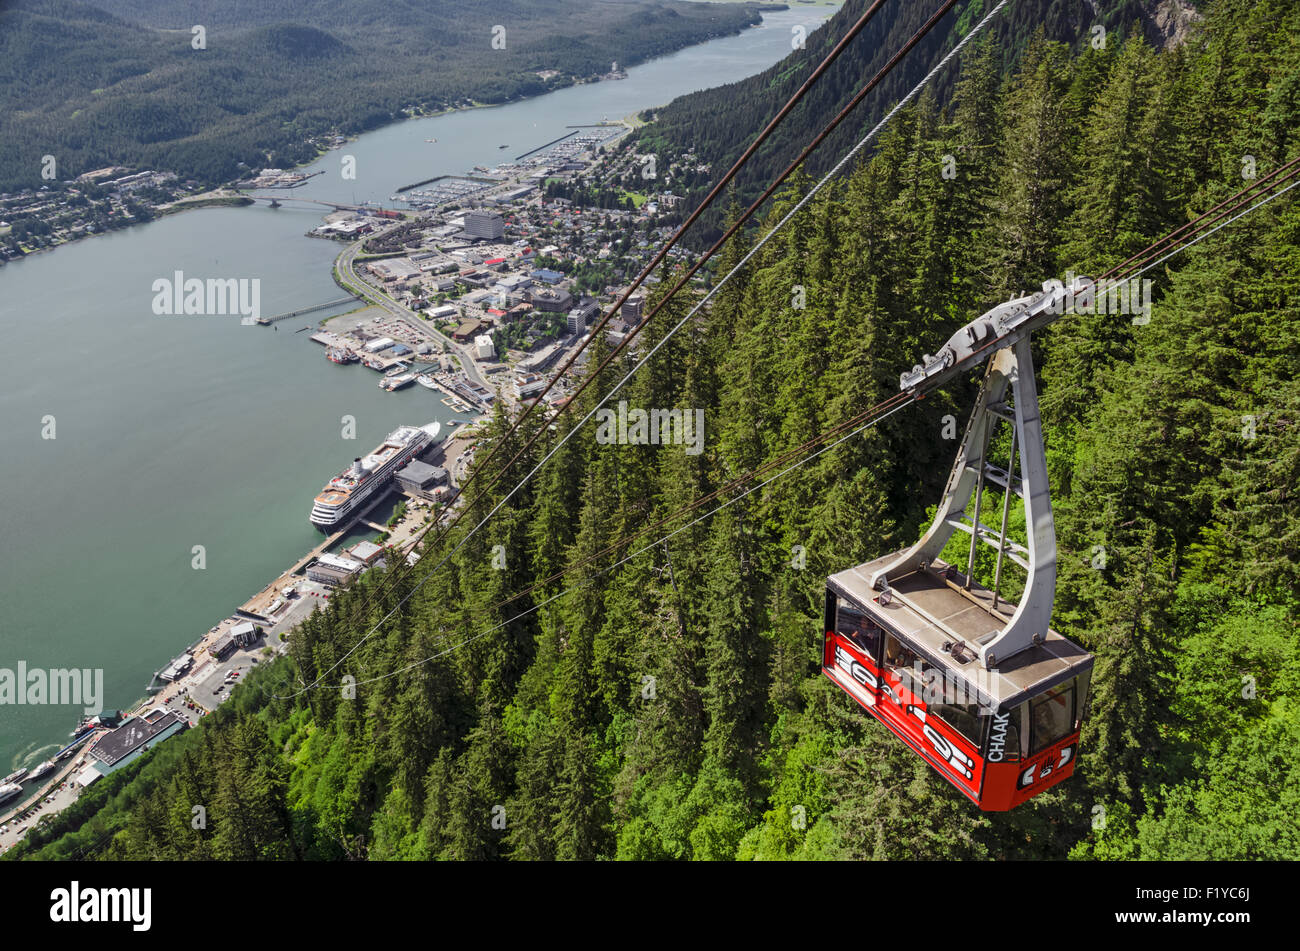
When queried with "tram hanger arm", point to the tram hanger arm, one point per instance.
{"points": [[1001, 327], [1003, 334]]}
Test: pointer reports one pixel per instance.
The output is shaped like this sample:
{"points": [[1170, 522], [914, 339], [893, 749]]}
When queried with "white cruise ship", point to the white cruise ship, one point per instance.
{"points": [[9, 790], [348, 491]]}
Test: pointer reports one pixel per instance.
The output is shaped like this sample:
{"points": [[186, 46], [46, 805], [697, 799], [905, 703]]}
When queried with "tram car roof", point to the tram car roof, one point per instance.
{"points": [[929, 609]]}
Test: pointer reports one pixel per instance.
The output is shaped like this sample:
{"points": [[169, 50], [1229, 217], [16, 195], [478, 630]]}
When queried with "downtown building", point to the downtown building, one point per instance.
{"points": [[484, 224]]}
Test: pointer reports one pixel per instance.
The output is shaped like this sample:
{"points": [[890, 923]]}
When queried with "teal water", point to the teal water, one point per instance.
{"points": [[172, 432]]}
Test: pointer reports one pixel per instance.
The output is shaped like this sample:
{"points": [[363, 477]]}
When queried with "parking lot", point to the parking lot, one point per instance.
{"points": [[12, 830], [196, 693]]}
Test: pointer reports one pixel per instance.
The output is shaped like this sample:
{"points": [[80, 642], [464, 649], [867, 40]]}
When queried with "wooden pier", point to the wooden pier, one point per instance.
{"points": [[267, 321]]}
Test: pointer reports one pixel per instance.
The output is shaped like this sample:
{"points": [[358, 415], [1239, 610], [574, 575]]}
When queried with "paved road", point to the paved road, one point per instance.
{"points": [[345, 264], [16, 828], [211, 685]]}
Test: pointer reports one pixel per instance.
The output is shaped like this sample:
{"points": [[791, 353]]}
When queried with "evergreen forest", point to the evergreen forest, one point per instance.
{"points": [[672, 706]]}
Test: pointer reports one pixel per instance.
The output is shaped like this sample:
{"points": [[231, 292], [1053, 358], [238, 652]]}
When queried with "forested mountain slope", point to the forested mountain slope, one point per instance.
{"points": [[119, 82], [721, 122], [1174, 446]]}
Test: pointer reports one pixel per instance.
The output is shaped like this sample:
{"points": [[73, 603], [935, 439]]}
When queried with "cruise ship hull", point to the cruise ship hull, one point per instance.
{"points": [[349, 492]]}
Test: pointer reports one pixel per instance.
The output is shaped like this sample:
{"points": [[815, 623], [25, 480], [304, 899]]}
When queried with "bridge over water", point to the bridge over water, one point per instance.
{"points": [[275, 200]]}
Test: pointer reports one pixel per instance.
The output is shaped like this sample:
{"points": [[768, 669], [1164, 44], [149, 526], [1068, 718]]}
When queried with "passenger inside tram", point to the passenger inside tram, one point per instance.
{"points": [[1051, 717], [859, 629], [901, 662]]}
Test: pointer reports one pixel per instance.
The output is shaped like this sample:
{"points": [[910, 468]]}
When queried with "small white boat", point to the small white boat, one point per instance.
{"points": [[391, 383], [16, 776]]}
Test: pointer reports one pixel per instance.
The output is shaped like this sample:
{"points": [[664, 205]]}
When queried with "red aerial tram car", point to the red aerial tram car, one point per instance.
{"points": [[999, 736], [981, 688]]}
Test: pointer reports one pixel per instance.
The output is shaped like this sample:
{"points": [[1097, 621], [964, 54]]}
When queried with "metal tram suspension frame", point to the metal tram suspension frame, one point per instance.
{"points": [[980, 687]]}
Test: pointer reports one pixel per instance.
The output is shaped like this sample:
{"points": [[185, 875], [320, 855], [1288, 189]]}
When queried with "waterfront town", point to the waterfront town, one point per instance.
{"points": [[479, 291], [99, 201], [495, 277], [113, 197]]}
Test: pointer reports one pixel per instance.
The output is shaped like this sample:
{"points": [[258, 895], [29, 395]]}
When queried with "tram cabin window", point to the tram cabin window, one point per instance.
{"points": [[962, 717], [1051, 717], [902, 661], [1081, 697], [857, 627]]}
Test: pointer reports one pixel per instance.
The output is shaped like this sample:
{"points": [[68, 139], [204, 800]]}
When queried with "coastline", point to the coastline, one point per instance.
{"points": [[162, 211], [402, 535], [240, 200], [454, 433]]}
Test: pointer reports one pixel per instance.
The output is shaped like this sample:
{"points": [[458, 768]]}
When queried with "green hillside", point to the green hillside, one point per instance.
{"points": [[720, 123], [673, 708]]}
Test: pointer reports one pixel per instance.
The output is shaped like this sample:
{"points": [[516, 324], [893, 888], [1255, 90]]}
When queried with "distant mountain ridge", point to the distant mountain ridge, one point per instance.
{"points": [[721, 122], [119, 82]]}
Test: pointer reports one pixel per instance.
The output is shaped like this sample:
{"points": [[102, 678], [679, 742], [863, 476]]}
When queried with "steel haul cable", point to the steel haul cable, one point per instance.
{"points": [[536, 607], [1157, 253], [645, 273], [886, 405], [713, 291], [442, 531], [1199, 222], [744, 260], [730, 232], [877, 414]]}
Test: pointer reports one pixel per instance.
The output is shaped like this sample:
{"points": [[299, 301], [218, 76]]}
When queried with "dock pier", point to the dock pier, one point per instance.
{"points": [[267, 321]]}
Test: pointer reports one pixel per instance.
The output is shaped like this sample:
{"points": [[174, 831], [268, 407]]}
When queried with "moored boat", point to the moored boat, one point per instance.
{"points": [[397, 381], [348, 490]]}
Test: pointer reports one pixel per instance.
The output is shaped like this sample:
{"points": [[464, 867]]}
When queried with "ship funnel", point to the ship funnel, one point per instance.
{"points": [[358, 469]]}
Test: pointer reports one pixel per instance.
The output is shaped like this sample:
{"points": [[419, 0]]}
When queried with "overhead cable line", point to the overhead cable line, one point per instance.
{"points": [[714, 290], [654, 544], [758, 246], [1159, 252], [443, 531], [646, 271], [1264, 185], [874, 415]]}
